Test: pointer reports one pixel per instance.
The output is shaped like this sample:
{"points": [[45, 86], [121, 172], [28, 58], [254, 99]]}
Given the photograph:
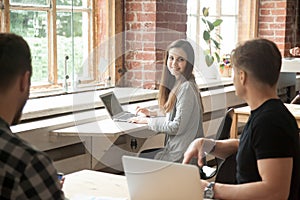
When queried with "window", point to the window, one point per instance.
{"points": [[216, 10], [63, 36], [239, 23]]}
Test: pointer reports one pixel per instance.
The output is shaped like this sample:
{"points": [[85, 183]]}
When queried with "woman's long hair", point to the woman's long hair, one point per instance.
{"points": [[169, 85]]}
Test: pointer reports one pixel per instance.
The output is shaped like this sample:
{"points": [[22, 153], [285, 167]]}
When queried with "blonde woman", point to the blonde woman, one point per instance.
{"points": [[180, 104]]}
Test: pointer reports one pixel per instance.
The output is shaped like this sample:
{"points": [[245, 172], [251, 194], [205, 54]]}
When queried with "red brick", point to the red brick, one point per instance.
{"points": [[148, 36], [134, 6], [278, 12], [130, 17], [149, 25], [149, 75], [129, 75], [266, 19], [279, 32], [264, 25], [281, 4], [138, 36], [265, 12], [267, 5], [149, 7], [277, 26], [279, 39], [137, 75], [146, 17], [145, 56], [135, 26], [266, 32], [181, 27], [137, 45], [149, 46], [130, 35], [280, 19]]}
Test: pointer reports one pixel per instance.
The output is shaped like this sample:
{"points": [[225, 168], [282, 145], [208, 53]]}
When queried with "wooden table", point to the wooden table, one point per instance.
{"points": [[88, 184], [242, 114]]}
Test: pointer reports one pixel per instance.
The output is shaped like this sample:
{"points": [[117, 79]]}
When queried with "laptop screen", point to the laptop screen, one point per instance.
{"points": [[111, 103]]}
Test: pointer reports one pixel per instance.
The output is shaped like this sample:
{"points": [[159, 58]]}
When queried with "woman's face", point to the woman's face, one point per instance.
{"points": [[177, 61]]}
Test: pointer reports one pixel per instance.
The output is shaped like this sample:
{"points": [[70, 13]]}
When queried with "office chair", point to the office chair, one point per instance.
{"points": [[225, 169], [152, 145]]}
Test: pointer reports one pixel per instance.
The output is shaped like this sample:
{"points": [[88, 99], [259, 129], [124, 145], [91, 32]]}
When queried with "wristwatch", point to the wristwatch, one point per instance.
{"points": [[209, 191]]}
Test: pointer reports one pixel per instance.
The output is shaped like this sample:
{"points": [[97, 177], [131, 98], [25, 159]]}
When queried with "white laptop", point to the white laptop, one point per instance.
{"points": [[114, 107], [149, 179]]}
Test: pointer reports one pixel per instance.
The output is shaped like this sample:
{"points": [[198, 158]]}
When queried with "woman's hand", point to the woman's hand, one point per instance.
{"points": [[138, 120], [144, 111]]}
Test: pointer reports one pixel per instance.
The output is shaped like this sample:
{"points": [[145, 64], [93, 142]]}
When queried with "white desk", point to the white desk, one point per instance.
{"points": [[103, 128], [87, 183], [109, 140]]}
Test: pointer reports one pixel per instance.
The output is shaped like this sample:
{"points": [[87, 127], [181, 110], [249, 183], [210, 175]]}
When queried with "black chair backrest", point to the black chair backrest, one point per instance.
{"points": [[225, 126], [222, 134]]}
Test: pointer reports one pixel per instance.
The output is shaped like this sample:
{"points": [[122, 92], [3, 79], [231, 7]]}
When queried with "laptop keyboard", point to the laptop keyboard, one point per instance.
{"points": [[126, 116]]}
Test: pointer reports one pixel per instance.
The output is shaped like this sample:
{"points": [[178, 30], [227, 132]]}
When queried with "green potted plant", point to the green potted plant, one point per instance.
{"points": [[211, 38]]}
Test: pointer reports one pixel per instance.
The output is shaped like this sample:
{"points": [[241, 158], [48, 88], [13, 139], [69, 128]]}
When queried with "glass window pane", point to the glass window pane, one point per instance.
{"points": [[32, 25], [65, 42], [229, 7], [192, 6], [29, 2], [229, 35], [192, 28], [69, 2]]}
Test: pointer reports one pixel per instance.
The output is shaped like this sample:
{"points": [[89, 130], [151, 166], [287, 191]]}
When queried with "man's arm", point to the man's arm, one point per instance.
{"points": [[276, 178], [202, 146]]}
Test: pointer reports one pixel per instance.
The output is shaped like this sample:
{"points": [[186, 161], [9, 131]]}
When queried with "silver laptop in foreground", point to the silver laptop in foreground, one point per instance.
{"points": [[149, 179], [114, 108]]}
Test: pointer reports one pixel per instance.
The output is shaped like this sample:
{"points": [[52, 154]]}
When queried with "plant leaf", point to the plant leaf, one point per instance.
{"points": [[217, 44], [219, 36], [207, 52], [209, 60], [206, 35], [210, 25], [217, 56], [205, 11], [217, 22], [204, 20]]}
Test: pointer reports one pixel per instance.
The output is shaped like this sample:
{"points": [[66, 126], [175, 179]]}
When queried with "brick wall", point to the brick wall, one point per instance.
{"points": [[150, 26], [277, 22]]}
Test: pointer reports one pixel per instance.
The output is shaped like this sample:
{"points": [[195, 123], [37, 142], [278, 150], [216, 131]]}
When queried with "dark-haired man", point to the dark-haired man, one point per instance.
{"points": [[26, 173]]}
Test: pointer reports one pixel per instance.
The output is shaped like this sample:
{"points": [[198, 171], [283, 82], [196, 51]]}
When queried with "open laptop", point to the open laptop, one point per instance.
{"points": [[149, 179], [114, 107]]}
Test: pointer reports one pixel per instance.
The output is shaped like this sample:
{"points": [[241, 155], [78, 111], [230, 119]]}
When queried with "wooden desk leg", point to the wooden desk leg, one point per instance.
{"points": [[234, 126]]}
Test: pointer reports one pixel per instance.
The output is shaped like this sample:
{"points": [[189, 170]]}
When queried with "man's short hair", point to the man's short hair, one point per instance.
{"points": [[259, 57], [15, 58]]}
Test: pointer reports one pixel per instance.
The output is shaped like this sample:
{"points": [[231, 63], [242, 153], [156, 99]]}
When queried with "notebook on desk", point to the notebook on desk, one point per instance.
{"points": [[114, 108], [149, 179]]}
